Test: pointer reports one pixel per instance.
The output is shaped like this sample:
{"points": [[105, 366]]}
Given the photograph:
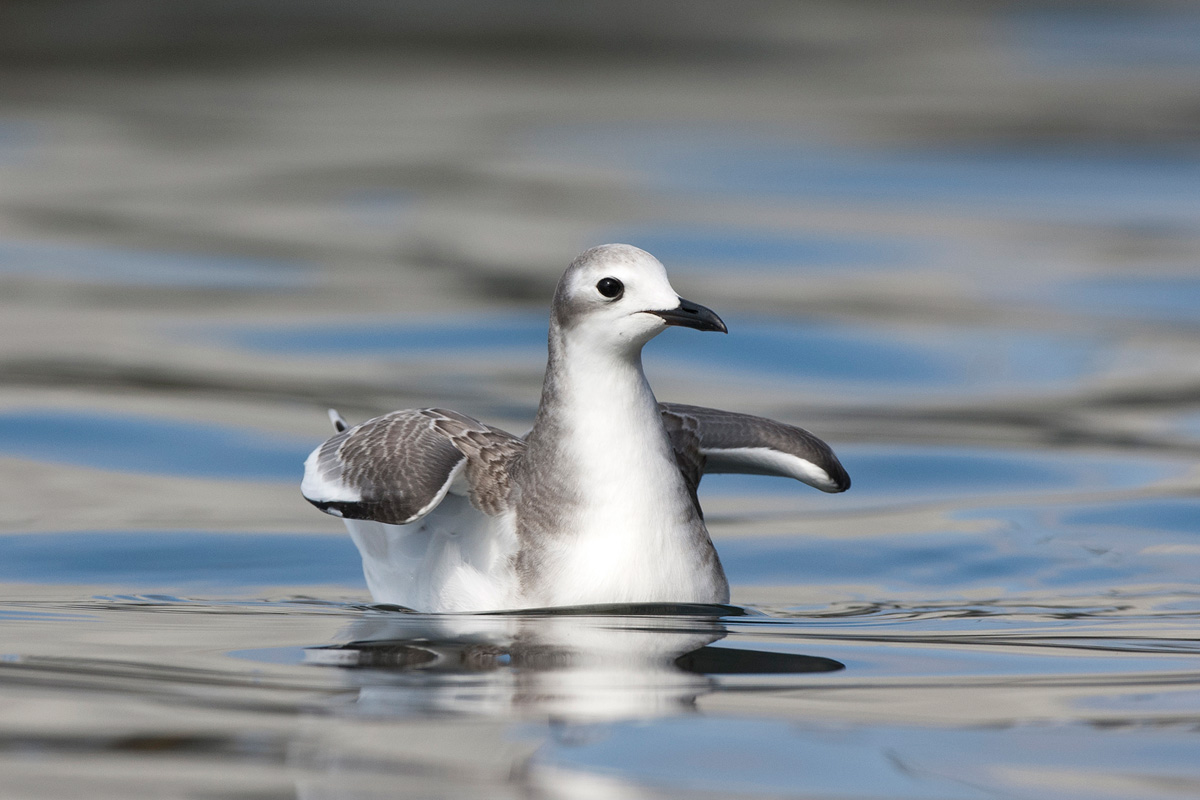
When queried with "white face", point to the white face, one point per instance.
{"points": [[604, 296]]}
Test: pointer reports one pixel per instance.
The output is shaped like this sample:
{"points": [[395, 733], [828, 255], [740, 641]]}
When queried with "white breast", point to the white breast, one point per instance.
{"points": [[637, 536], [454, 559]]}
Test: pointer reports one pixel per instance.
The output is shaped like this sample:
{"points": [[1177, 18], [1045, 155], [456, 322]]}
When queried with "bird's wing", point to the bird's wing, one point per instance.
{"points": [[398, 467], [710, 441]]}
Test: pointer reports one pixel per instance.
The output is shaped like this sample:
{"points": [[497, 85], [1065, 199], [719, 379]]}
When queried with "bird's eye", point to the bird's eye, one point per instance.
{"points": [[610, 288]]}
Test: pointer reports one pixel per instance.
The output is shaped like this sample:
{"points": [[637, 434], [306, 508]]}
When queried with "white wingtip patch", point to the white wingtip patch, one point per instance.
{"points": [[316, 488], [765, 461]]}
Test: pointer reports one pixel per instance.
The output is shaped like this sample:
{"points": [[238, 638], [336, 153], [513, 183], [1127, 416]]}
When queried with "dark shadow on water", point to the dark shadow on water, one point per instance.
{"points": [[634, 610], [729, 661]]}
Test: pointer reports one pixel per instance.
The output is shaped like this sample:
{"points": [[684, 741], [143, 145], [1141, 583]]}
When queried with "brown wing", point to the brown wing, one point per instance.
{"points": [[707, 440], [397, 468]]}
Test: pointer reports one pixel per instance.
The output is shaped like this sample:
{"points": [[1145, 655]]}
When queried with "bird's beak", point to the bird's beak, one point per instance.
{"points": [[692, 315]]}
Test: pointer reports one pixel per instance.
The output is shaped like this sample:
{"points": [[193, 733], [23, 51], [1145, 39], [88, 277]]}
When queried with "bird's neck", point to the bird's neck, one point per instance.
{"points": [[622, 524], [595, 393], [600, 434]]}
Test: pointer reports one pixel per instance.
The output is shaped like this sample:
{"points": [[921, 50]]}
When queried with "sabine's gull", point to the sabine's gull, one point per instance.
{"points": [[596, 504]]}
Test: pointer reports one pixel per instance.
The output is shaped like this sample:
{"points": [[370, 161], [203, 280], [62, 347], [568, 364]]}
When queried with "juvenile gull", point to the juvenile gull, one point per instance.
{"points": [[596, 504]]}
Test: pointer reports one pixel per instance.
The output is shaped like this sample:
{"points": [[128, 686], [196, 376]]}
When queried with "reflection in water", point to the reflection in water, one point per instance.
{"points": [[584, 664], [539, 704]]}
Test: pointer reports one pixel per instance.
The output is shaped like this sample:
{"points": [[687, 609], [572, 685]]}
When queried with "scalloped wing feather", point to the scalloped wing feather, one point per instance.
{"points": [[398, 467]]}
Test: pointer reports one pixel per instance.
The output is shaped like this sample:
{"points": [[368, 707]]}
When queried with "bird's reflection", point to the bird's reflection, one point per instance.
{"points": [[586, 664]]}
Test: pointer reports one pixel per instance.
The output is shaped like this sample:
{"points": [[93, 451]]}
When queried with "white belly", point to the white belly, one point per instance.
{"points": [[636, 537], [617, 569], [453, 559]]}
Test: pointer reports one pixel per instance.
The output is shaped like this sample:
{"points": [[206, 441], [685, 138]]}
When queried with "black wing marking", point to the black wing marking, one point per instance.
{"points": [[710, 441], [397, 468]]}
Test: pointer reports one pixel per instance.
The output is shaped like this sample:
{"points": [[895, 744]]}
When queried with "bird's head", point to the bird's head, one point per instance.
{"points": [[617, 297]]}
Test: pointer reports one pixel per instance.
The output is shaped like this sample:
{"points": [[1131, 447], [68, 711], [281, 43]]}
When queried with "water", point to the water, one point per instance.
{"points": [[968, 259]]}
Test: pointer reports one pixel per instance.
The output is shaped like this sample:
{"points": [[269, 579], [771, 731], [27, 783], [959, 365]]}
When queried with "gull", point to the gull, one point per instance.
{"points": [[596, 504]]}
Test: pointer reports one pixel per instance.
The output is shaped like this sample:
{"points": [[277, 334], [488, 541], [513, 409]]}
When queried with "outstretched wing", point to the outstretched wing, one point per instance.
{"points": [[398, 467], [707, 440]]}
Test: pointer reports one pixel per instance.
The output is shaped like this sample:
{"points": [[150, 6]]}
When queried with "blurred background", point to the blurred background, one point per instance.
{"points": [[959, 241]]}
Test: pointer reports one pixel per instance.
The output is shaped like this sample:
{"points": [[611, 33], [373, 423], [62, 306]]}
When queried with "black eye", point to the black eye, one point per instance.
{"points": [[610, 287]]}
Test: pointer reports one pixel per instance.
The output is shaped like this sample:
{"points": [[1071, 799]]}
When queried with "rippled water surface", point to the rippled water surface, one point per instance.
{"points": [[961, 244]]}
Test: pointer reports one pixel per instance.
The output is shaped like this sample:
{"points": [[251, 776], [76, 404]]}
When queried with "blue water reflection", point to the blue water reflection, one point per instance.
{"points": [[777, 349], [1092, 35], [1173, 514], [523, 334], [747, 757], [951, 562], [144, 560], [722, 249], [158, 446], [1039, 555], [1117, 543], [1153, 298], [1095, 185], [1075, 185], [108, 265], [719, 756]]}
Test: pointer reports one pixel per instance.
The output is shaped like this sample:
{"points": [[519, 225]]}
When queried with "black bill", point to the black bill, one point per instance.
{"points": [[692, 315]]}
